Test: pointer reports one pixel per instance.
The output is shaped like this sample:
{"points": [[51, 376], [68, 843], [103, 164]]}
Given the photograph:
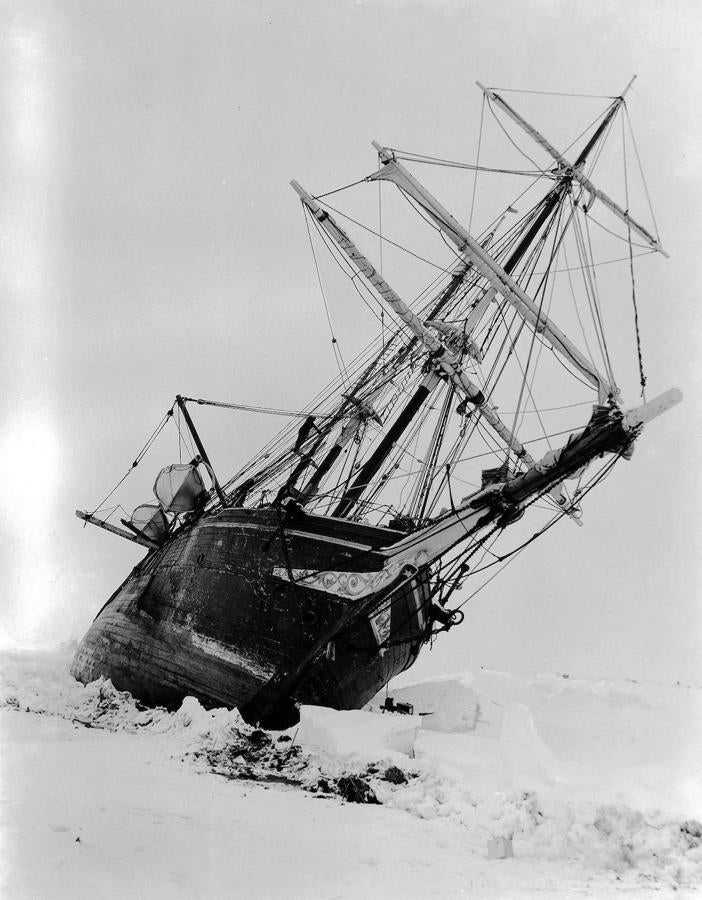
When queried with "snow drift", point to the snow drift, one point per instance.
{"points": [[597, 780]]}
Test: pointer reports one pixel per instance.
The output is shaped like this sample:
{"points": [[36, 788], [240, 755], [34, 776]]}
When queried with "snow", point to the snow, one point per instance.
{"points": [[358, 735], [593, 786], [449, 703]]}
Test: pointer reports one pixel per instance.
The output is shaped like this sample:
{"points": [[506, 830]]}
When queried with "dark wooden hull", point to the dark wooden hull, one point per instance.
{"points": [[206, 616]]}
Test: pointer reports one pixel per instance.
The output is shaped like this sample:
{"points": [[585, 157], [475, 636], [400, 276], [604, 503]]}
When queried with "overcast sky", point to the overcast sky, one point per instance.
{"points": [[150, 245]]}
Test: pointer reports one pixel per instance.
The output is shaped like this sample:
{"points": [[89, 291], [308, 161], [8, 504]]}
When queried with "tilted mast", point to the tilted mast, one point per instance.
{"points": [[371, 467], [575, 171], [499, 279], [443, 359]]}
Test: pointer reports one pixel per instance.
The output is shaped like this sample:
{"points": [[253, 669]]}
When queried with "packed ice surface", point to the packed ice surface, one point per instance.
{"points": [[594, 786]]}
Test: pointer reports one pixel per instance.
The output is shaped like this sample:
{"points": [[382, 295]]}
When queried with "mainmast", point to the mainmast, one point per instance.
{"points": [[390, 438], [442, 358]]}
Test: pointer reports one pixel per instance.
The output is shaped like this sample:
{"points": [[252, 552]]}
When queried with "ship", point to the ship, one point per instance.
{"points": [[323, 566]]}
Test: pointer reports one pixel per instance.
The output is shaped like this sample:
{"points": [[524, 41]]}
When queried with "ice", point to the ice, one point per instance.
{"points": [[446, 704], [358, 735], [594, 787], [528, 760]]}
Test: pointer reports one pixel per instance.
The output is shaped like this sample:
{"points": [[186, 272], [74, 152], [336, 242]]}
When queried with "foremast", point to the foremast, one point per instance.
{"points": [[574, 171]]}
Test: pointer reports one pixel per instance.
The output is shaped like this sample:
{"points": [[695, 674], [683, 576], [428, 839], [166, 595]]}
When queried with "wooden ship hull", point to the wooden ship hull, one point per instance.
{"points": [[210, 616]]}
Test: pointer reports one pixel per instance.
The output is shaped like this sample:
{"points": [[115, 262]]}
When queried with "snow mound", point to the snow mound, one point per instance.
{"points": [[445, 704], [594, 790], [358, 735], [526, 756]]}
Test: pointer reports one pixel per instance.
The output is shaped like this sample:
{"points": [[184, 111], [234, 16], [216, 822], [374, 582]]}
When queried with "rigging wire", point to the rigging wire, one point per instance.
{"points": [[458, 565], [138, 458], [642, 376], [270, 411], [380, 254], [509, 557], [340, 189], [513, 142], [434, 265], [641, 171], [335, 346], [419, 502], [284, 458], [575, 304], [521, 412], [477, 163], [590, 277], [282, 461], [353, 277], [534, 257], [620, 237], [423, 159], [180, 437], [605, 262], [554, 225], [379, 233], [539, 354], [551, 93]]}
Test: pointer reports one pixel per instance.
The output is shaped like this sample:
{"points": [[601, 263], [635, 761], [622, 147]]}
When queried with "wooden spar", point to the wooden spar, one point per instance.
{"points": [[611, 435], [557, 193], [138, 539], [442, 358], [201, 450], [489, 268], [573, 170], [385, 448], [361, 412], [372, 465]]}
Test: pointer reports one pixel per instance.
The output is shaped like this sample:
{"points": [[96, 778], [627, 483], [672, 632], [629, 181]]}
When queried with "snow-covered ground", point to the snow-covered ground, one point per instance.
{"points": [[595, 787]]}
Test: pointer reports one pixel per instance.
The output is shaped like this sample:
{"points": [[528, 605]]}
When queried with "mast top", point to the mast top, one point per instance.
{"points": [[574, 171], [383, 152], [626, 89]]}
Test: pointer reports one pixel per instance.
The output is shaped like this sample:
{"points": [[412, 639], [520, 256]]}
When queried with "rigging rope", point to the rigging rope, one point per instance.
{"points": [[641, 172], [347, 269], [422, 159], [335, 346], [509, 557], [388, 241], [159, 428], [554, 225], [619, 237], [477, 163], [512, 142], [380, 254], [551, 93], [344, 188], [279, 465], [590, 286], [270, 411], [642, 376]]}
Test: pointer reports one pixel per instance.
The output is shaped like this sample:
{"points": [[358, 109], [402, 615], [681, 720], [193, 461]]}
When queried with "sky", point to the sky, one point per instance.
{"points": [[150, 245]]}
